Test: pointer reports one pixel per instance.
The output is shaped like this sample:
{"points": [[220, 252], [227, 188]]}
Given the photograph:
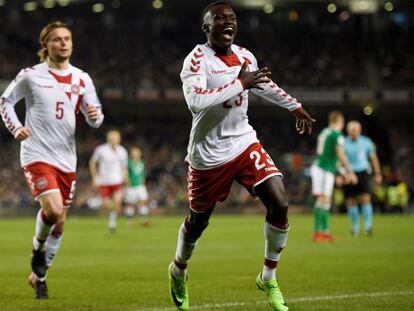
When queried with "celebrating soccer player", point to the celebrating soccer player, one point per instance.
{"points": [[109, 170], [360, 151], [54, 92], [217, 77]]}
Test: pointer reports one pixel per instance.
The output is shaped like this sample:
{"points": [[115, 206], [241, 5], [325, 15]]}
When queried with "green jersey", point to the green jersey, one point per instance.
{"points": [[136, 173], [328, 140]]}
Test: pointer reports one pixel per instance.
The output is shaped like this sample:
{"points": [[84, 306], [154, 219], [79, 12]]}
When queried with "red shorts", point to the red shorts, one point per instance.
{"points": [[108, 191], [43, 178], [252, 167]]}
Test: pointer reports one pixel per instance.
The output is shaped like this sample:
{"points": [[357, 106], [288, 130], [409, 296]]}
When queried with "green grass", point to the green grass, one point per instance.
{"points": [[128, 271]]}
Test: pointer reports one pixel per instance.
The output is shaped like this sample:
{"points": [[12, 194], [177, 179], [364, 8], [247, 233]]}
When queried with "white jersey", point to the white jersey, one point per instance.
{"points": [[53, 99], [112, 164], [218, 102]]}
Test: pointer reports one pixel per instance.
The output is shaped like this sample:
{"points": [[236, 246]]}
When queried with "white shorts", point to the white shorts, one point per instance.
{"points": [[133, 195], [322, 181]]}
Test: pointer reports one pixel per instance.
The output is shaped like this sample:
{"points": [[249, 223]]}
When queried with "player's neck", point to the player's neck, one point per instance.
{"points": [[335, 127], [225, 51], [58, 65]]}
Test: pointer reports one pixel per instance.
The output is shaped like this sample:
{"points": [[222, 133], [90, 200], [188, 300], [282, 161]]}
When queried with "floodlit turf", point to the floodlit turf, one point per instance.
{"points": [[128, 270]]}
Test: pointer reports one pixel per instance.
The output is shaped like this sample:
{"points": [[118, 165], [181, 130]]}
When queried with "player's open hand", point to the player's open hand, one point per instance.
{"points": [[303, 121], [22, 133], [93, 112], [252, 79]]}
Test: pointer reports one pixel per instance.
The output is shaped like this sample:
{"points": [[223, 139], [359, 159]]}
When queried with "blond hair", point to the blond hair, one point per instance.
{"points": [[334, 116], [43, 37]]}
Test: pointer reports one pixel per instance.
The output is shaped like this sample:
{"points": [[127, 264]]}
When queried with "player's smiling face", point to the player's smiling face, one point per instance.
{"points": [[220, 25], [59, 44]]}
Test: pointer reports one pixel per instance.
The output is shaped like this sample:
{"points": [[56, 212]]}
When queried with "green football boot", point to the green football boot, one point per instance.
{"points": [[272, 290], [178, 291]]}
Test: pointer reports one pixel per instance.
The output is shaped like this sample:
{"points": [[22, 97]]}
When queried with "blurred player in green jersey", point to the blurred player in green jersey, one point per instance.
{"points": [[136, 194], [330, 149]]}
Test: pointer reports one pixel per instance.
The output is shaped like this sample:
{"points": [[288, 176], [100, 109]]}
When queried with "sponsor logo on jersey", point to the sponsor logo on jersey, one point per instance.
{"points": [[41, 183], [44, 86], [216, 72]]}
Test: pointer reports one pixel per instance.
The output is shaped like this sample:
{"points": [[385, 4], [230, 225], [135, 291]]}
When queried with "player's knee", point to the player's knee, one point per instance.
{"points": [[365, 199], [277, 212], [56, 213], [196, 226]]}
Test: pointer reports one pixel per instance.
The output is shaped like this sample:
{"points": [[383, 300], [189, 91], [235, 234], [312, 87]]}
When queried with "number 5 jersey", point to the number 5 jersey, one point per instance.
{"points": [[53, 98]]}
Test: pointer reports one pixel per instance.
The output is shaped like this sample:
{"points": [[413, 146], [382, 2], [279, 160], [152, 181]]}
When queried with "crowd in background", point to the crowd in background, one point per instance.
{"points": [[138, 48]]}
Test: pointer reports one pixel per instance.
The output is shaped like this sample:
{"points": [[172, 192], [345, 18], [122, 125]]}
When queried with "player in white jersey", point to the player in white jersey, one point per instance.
{"points": [[109, 170], [54, 92], [217, 77]]}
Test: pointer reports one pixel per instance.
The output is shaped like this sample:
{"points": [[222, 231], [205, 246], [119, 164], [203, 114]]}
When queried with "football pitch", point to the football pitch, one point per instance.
{"points": [[95, 270]]}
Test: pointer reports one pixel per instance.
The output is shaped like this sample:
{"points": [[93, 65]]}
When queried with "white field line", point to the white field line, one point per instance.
{"points": [[293, 300]]}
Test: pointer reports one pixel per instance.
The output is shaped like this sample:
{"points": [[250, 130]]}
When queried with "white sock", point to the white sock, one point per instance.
{"points": [[177, 272], [185, 246], [52, 247], [42, 228], [112, 219], [268, 273], [143, 210], [129, 211], [275, 242]]}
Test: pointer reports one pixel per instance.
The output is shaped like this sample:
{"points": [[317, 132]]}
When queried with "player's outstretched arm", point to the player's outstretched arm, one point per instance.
{"points": [[271, 91], [304, 122]]}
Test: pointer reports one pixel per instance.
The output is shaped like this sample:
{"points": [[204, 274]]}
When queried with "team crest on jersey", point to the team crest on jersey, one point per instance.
{"points": [[75, 89], [41, 183]]}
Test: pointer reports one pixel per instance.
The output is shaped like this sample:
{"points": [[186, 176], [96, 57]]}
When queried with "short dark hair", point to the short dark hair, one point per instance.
{"points": [[210, 6]]}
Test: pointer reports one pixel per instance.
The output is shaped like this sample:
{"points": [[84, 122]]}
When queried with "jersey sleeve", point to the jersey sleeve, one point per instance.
{"points": [[271, 91], [194, 79], [96, 156], [340, 140], [91, 98], [11, 96]]}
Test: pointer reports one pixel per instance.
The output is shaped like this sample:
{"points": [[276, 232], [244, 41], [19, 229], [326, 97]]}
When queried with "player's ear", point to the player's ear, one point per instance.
{"points": [[204, 28]]}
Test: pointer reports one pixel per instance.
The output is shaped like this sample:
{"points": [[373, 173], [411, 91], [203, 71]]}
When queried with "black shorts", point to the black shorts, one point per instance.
{"points": [[363, 185]]}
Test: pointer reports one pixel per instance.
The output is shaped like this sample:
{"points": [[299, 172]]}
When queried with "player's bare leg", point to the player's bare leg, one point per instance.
{"points": [[272, 194], [51, 212], [190, 231]]}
